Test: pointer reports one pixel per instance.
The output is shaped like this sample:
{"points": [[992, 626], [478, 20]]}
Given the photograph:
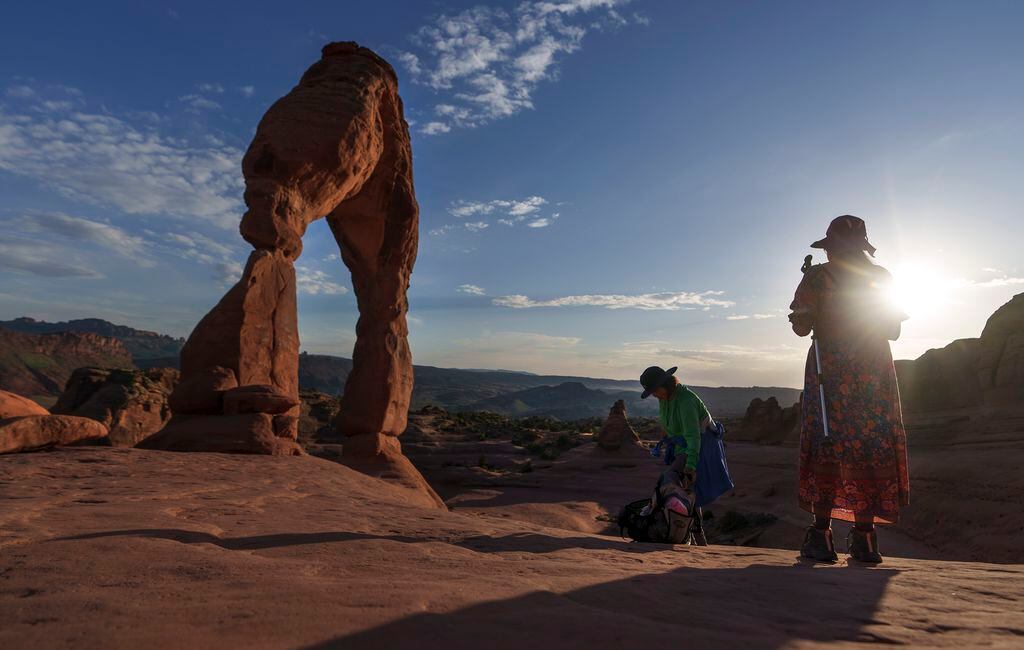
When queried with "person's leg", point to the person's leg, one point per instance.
{"points": [[863, 541], [823, 517], [818, 544]]}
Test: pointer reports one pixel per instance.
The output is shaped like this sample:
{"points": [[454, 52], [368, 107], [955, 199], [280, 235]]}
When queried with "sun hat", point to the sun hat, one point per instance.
{"points": [[654, 378], [845, 233]]}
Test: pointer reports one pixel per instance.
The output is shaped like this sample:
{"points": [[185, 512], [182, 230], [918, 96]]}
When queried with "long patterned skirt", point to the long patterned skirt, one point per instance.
{"points": [[861, 469]]}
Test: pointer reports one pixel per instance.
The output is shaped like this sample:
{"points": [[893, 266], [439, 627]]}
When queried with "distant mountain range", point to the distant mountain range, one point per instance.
{"points": [[139, 343], [38, 365], [502, 391]]}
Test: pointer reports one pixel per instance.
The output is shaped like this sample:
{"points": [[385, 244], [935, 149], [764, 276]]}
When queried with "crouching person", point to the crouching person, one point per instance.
{"points": [[697, 472]]}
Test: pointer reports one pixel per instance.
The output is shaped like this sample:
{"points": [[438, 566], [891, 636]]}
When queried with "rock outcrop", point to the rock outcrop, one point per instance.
{"points": [[335, 147], [133, 404], [616, 430], [39, 365], [13, 406], [767, 422], [1001, 357], [970, 372], [28, 432]]}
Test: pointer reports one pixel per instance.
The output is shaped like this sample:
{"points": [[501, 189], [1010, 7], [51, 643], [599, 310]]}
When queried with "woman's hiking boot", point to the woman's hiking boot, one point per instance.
{"points": [[863, 546], [818, 545]]}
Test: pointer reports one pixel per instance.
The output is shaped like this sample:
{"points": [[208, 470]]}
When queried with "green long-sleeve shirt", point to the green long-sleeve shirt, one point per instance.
{"points": [[684, 415]]}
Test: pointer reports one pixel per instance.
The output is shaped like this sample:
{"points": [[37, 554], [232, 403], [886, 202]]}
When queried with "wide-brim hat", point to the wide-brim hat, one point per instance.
{"points": [[846, 233], [654, 378]]}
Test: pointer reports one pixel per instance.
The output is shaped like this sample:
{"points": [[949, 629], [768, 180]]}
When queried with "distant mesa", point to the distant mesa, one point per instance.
{"points": [[142, 345], [38, 366]]}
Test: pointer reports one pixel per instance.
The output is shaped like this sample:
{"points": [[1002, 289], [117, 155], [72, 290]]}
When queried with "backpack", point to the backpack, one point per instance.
{"points": [[647, 520]]}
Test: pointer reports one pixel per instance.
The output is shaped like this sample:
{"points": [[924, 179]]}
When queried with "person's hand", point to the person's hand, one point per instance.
{"points": [[689, 478]]}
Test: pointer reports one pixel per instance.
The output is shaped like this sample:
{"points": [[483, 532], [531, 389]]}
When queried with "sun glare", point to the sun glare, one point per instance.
{"points": [[918, 290]]}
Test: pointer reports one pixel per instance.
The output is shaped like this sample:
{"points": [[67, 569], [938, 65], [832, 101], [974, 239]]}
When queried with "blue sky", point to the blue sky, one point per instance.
{"points": [[603, 184]]}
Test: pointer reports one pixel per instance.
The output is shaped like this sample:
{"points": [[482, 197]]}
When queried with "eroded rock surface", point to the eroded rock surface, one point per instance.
{"points": [[767, 422], [133, 404]]}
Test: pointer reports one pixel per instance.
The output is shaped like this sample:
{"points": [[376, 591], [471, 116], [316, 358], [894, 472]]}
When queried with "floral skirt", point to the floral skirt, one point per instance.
{"points": [[861, 469]]}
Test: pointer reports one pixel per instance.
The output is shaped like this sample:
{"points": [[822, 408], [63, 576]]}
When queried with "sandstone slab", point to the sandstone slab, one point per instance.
{"points": [[12, 405], [30, 432], [248, 433]]}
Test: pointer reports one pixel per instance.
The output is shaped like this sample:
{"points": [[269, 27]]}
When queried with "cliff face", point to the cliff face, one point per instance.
{"points": [[970, 372], [39, 365], [142, 344]]}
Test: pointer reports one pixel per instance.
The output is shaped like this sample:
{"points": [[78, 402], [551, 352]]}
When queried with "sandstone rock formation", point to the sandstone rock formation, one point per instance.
{"points": [[133, 404], [970, 372], [1001, 357], [616, 430], [29, 432], [767, 422], [335, 147], [13, 406]]}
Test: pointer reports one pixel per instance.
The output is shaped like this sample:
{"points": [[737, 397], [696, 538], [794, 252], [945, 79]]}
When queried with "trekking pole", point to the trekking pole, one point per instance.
{"points": [[817, 362]]}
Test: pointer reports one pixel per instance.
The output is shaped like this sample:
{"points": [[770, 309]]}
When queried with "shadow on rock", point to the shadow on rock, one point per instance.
{"points": [[762, 607]]}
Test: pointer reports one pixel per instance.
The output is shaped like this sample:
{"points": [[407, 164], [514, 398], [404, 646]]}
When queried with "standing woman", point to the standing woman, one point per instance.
{"points": [[858, 472]]}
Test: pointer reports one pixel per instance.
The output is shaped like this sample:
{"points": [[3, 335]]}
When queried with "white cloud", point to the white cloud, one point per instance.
{"points": [[20, 92], [749, 316], [123, 162], [198, 102], [442, 230], [666, 301], [517, 210], [228, 272], [247, 90], [314, 282], [433, 128], [211, 88], [42, 259], [487, 62], [1004, 281], [504, 341], [472, 290], [84, 230]]}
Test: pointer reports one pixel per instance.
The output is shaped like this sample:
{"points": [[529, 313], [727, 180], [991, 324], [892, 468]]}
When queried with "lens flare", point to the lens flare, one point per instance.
{"points": [[918, 290]]}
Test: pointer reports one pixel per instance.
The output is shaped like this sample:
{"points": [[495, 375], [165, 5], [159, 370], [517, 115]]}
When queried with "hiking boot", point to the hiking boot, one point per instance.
{"points": [[863, 546], [818, 545]]}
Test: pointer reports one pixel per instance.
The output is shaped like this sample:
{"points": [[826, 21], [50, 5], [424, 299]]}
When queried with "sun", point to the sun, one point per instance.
{"points": [[919, 290]]}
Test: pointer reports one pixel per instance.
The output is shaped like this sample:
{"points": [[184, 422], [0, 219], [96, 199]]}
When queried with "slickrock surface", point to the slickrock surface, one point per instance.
{"points": [[126, 548]]}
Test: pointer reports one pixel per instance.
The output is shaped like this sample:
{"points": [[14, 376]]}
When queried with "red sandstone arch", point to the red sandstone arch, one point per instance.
{"points": [[335, 147]]}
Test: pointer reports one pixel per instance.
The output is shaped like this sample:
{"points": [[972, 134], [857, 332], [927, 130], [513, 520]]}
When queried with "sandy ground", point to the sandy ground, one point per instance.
{"points": [[124, 548]]}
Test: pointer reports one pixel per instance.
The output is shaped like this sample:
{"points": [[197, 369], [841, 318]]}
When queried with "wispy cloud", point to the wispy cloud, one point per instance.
{"points": [[41, 259], [121, 162], [314, 282], [486, 62], [511, 207], [472, 290], [666, 301], [749, 316], [79, 229], [247, 90], [476, 226]]}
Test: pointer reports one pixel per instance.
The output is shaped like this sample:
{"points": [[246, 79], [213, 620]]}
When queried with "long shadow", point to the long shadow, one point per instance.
{"points": [[524, 543], [255, 542], [761, 607]]}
